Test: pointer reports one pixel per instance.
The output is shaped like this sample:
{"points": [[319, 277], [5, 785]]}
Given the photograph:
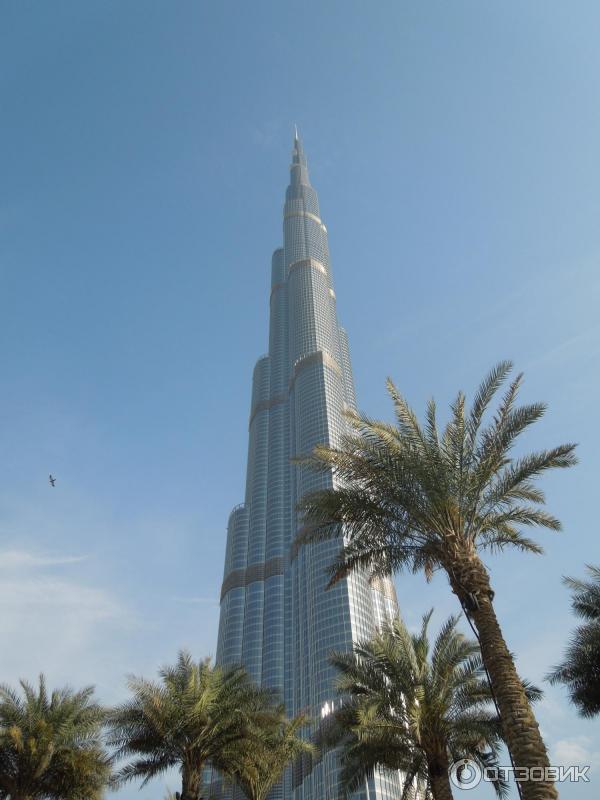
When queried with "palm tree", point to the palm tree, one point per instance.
{"points": [[196, 715], [50, 744], [408, 496], [261, 761], [411, 707], [580, 671]]}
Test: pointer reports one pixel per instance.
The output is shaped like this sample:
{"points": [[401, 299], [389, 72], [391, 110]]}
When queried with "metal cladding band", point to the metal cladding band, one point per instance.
{"points": [[256, 572], [277, 286], [308, 262], [264, 405], [306, 214], [320, 357]]}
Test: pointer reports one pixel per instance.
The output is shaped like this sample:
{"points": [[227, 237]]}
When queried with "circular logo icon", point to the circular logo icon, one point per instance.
{"points": [[465, 774]]}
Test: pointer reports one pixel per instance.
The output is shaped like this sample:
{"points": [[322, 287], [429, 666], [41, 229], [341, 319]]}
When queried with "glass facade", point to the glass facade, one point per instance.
{"points": [[277, 619]]}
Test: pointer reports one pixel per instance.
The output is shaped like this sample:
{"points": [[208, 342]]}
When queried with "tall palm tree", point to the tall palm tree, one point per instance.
{"points": [[580, 671], [409, 496], [409, 706], [260, 762], [51, 744], [193, 717]]}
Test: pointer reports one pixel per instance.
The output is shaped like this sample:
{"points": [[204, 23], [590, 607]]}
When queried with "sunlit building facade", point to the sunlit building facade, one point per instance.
{"points": [[277, 618]]}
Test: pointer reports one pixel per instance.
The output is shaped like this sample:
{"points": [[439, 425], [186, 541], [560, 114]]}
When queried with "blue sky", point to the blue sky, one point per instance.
{"points": [[144, 155]]}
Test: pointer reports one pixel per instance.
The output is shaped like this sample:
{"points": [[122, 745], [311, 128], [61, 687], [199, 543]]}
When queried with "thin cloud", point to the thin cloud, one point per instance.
{"points": [[576, 751], [52, 623], [20, 559], [197, 600], [574, 347]]}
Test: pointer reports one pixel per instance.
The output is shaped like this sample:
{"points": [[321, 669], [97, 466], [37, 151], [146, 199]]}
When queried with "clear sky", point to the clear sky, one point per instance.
{"points": [[144, 150]]}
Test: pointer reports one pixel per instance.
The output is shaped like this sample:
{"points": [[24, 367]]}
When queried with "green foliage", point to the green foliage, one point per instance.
{"points": [[51, 744], [580, 670], [259, 763], [408, 706], [196, 714], [410, 496], [413, 496]]}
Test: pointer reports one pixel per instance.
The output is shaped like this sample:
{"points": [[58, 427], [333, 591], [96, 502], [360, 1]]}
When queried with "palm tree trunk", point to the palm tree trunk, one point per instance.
{"points": [[439, 777], [470, 581], [190, 784]]}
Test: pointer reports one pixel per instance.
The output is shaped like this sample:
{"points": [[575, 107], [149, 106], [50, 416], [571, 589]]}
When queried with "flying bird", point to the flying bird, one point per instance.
{"points": [[52, 480]]}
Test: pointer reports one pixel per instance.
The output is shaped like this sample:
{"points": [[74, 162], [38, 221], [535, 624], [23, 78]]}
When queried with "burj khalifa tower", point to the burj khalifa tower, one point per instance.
{"points": [[278, 619]]}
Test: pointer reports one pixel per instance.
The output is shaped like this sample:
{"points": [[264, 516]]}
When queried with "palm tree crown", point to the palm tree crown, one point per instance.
{"points": [[413, 707], [259, 763], [50, 744], [412, 496], [195, 715], [580, 671]]}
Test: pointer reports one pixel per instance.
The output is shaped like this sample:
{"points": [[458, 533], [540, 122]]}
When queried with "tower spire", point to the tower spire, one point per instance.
{"points": [[298, 149], [299, 167]]}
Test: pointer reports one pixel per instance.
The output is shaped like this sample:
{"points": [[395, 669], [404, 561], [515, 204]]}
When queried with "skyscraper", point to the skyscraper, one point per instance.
{"points": [[277, 618]]}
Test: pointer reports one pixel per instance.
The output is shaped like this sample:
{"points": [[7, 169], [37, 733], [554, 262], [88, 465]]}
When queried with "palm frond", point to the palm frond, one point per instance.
{"points": [[580, 668], [401, 696], [404, 497]]}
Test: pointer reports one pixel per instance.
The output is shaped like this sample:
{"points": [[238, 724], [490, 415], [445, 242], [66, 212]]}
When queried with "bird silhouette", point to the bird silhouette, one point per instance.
{"points": [[52, 480]]}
